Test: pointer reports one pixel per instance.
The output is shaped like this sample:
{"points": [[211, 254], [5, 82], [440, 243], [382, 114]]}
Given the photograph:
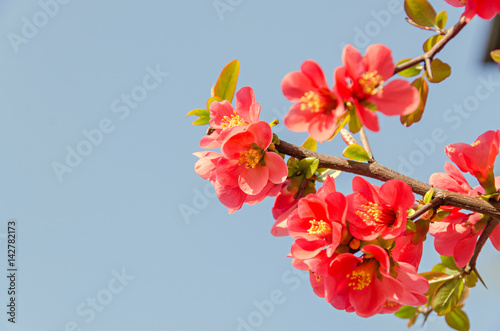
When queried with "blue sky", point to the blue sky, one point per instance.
{"points": [[97, 158]]}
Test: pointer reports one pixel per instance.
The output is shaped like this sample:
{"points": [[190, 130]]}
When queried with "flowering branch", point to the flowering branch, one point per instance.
{"points": [[377, 171], [429, 55]]}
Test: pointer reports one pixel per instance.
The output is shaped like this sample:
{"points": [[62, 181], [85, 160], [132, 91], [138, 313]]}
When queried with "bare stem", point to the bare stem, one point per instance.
{"points": [[429, 55], [483, 238]]}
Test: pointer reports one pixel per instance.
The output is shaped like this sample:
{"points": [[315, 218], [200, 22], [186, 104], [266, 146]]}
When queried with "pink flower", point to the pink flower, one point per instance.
{"points": [[370, 284], [486, 9], [478, 158], [456, 235], [453, 180], [317, 224], [316, 105], [223, 116], [247, 163], [408, 248], [375, 211], [360, 83]]}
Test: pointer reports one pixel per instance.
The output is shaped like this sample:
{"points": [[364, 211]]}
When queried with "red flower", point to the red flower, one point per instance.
{"points": [[316, 105], [375, 211], [486, 9], [360, 83], [247, 163], [223, 116], [370, 284], [453, 180], [317, 224], [478, 158], [456, 235]]}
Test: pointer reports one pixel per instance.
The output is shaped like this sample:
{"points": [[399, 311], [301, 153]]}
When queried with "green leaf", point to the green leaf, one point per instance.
{"points": [[406, 312], [428, 195], [354, 123], [201, 121], [199, 112], [441, 19], [449, 262], [442, 214], [447, 296], [458, 320], [439, 267], [440, 71], [311, 144], [308, 166], [421, 12], [471, 279], [429, 43], [423, 89], [495, 55], [226, 84], [356, 152], [411, 226], [411, 71]]}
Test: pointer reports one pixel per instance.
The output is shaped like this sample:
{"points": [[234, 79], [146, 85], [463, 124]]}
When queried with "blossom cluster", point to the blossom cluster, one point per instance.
{"points": [[351, 247], [456, 234], [359, 91], [247, 169]]}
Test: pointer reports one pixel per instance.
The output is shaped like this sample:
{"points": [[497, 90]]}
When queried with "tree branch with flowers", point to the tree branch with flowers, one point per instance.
{"points": [[362, 250]]}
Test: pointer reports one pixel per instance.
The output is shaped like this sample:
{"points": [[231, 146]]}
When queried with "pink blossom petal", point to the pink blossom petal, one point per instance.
{"points": [[398, 97], [353, 62], [464, 250], [367, 117], [381, 255], [312, 70], [295, 84], [322, 127], [262, 133], [245, 98], [278, 170], [397, 194], [495, 238], [297, 120], [379, 57], [253, 180], [305, 249], [231, 197], [217, 112]]}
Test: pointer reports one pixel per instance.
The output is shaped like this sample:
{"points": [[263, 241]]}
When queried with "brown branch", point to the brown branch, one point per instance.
{"points": [[429, 55], [483, 238], [377, 171]]}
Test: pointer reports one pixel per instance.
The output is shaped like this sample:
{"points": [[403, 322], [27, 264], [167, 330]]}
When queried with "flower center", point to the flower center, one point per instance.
{"points": [[371, 82], [251, 157], [311, 101], [319, 228], [233, 120], [362, 276], [374, 214]]}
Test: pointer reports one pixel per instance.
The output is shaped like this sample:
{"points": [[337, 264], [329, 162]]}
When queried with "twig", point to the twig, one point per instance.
{"points": [[483, 238], [429, 55], [431, 205]]}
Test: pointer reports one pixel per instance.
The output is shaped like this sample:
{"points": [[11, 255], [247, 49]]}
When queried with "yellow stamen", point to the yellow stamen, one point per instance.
{"points": [[477, 142], [251, 157], [375, 214], [362, 276], [233, 120], [319, 228], [311, 101], [371, 82]]}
